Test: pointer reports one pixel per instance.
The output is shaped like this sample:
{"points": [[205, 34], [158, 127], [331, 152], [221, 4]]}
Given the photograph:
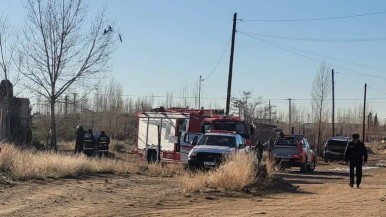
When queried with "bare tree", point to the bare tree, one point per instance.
{"points": [[57, 53], [5, 52], [321, 90]]}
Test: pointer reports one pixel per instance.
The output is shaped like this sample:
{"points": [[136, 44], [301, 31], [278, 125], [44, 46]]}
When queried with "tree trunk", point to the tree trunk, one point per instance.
{"points": [[53, 125], [319, 131]]}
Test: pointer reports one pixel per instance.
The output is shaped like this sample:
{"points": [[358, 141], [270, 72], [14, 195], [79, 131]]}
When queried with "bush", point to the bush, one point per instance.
{"points": [[238, 172], [118, 146], [38, 145]]}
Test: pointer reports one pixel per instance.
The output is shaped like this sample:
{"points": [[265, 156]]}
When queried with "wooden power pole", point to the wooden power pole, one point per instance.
{"points": [[289, 115], [333, 103], [231, 65], [364, 115]]}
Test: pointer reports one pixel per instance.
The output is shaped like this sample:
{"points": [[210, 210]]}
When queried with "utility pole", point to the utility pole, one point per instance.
{"points": [[333, 103], [74, 102], [364, 114], [270, 112], [199, 92], [66, 112], [66, 105], [97, 100], [231, 65], [289, 115]]}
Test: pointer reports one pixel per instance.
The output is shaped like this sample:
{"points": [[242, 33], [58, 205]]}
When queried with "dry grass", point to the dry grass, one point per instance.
{"points": [[66, 146], [270, 169], [27, 164], [238, 172], [165, 170], [119, 146]]}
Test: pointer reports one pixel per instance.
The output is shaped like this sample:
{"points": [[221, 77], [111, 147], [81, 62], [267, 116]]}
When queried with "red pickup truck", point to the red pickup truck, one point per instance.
{"points": [[293, 151]]}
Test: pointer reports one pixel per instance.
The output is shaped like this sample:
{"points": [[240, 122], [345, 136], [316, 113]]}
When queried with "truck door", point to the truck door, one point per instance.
{"points": [[186, 145]]}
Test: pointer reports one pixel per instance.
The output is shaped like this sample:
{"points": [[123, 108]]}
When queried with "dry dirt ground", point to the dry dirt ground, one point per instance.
{"points": [[322, 193]]}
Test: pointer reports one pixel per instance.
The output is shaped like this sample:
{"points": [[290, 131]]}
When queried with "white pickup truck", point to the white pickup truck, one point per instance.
{"points": [[213, 148]]}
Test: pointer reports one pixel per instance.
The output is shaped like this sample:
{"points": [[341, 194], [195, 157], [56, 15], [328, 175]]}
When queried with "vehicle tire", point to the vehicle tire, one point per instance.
{"points": [[152, 158], [311, 166], [303, 167]]}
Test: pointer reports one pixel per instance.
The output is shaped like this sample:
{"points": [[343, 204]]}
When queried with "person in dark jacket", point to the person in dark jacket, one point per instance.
{"points": [[259, 151], [356, 154], [79, 133], [103, 142], [90, 147]]}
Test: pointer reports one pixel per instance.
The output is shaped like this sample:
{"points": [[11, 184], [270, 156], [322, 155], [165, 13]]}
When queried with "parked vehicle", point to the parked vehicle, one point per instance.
{"points": [[166, 134], [293, 151], [213, 148], [335, 148]]}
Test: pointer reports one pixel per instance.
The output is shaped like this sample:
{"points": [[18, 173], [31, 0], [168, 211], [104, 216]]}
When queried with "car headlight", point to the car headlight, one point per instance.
{"points": [[192, 153]]}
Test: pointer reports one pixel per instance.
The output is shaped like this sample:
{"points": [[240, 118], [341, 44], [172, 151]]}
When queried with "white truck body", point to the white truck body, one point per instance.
{"points": [[174, 145]]}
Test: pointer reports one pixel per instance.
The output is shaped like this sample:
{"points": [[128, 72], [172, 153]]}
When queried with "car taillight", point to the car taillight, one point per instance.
{"points": [[300, 149]]}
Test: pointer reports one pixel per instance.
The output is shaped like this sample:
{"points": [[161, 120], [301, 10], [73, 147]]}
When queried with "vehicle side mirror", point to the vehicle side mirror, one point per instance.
{"points": [[252, 130]]}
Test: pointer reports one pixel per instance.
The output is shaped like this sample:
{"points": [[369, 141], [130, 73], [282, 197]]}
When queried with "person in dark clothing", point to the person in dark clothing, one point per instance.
{"points": [[90, 147], [259, 151], [103, 142], [356, 154], [79, 139]]}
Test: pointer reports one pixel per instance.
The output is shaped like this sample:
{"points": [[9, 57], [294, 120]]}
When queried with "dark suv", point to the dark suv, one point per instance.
{"points": [[335, 148]]}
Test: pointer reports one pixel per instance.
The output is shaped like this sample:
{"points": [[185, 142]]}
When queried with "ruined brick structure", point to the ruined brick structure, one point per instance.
{"points": [[14, 114]]}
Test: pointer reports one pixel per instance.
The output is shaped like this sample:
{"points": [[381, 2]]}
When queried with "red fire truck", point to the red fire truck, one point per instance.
{"points": [[166, 134]]}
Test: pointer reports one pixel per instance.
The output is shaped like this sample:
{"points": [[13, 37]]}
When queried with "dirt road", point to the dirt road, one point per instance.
{"points": [[322, 193]]}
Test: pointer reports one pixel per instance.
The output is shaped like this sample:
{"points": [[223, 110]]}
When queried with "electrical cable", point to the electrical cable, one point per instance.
{"points": [[313, 19], [290, 49], [218, 62], [317, 39]]}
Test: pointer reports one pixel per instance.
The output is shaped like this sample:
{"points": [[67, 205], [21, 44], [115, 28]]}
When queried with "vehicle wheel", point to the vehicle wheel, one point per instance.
{"points": [[311, 166], [303, 167], [152, 158]]}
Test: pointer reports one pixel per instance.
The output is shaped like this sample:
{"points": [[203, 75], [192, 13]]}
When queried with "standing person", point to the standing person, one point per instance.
{"points": [[259, 151], [90, 146], [356, 154], [79, 132], [103, 142]]}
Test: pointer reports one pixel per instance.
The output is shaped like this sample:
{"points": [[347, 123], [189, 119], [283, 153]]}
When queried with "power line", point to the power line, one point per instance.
{"points": [[317, 39], [376, 90], [218, 62], [362, 74], [313, 19], [290, 49]]}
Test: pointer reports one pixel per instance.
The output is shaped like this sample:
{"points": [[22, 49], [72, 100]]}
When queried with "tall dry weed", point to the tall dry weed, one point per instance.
{"points": [[165, 169], [238, 172], [27, 164], [270, 168]]}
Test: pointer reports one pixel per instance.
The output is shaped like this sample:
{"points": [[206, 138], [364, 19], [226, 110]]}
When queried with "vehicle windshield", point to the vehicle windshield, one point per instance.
{"points": [[292, 141], [237, 126], [217, 140], [341, 143]]}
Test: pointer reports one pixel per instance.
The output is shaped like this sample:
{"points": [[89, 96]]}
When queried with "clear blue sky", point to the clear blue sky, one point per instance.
{"points": [[167, 44]]}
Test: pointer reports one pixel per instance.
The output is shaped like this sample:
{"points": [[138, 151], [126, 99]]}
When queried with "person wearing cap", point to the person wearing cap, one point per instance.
{"points": [[356, 154]]}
